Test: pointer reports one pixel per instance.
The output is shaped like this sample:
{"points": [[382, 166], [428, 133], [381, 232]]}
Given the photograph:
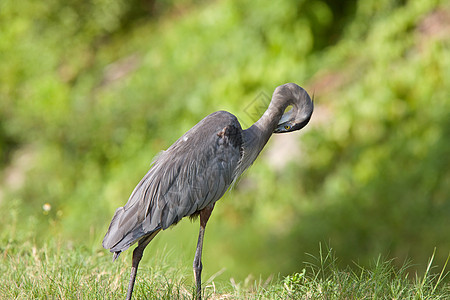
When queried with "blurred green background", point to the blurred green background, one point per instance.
{"points": [[90, 91]]}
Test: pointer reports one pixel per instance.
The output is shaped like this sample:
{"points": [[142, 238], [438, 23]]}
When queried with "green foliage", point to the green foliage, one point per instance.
{"points": [[91, 91], [379, 171]]}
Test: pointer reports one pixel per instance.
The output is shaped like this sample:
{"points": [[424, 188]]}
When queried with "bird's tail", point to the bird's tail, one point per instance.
{"points": [[116, 255]]}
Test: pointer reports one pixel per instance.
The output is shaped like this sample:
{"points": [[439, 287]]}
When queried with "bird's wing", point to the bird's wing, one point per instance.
{"points": [[193, 173]]}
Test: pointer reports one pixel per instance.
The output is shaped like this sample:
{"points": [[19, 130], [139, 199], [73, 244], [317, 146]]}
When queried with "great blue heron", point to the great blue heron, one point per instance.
{"points": [[192, 174]]}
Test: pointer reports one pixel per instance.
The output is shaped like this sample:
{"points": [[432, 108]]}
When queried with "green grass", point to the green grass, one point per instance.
{"points": [[382, 280], [58, 272]]}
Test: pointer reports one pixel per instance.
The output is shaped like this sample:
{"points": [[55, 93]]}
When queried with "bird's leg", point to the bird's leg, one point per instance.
{"points": [[137, 255], [198, 264], [204, 217]]}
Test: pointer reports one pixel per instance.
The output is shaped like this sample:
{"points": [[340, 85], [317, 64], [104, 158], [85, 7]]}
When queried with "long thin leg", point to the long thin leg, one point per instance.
{"points": [[204, 217], [137, 255]]}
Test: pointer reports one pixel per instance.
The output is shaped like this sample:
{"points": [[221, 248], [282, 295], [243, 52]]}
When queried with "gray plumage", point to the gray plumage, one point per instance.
{"points": [[192, 174]]}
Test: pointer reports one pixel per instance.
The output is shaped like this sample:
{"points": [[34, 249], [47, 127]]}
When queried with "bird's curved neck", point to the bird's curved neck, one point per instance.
{"points": [[256, 136]]}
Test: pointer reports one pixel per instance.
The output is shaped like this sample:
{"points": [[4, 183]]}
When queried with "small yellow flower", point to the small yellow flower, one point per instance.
{"points": [[46, 208]]}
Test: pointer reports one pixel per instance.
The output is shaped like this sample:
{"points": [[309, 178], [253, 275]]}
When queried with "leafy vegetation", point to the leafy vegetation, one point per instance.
{"points": [[90, 92]]}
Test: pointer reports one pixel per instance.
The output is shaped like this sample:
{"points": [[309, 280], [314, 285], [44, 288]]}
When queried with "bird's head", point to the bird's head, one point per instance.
{"points": [[298, 104]]}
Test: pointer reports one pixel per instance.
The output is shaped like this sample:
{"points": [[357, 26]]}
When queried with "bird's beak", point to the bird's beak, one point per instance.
{"points": [[291, 126]]}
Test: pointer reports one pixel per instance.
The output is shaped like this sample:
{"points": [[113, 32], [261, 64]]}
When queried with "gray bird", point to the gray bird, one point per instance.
{"points": [[191, 175]]}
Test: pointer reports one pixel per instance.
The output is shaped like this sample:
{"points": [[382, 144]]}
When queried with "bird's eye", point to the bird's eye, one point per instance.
{"points": [[287, 127]]}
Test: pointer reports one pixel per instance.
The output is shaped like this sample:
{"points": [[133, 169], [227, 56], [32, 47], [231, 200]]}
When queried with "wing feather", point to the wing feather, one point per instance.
{"points": [[191, 174]]}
